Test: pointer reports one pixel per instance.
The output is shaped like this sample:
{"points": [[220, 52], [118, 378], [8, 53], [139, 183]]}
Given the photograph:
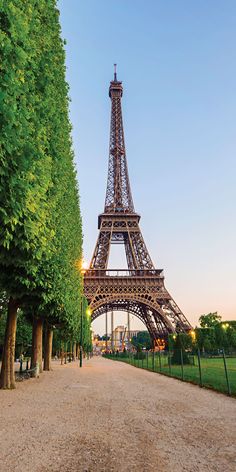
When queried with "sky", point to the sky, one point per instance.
{"points": [[177, 62]]}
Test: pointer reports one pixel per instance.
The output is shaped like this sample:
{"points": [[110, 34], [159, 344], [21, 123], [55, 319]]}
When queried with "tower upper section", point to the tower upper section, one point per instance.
{"points": [[118, 194]]}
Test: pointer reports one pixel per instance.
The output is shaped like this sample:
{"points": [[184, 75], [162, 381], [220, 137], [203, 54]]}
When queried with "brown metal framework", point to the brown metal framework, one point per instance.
{"points": [[140, 290]]}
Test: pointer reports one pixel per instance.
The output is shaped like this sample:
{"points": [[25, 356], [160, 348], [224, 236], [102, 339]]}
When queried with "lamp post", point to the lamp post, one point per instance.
{"points": [[88, 313], [81, 333]]}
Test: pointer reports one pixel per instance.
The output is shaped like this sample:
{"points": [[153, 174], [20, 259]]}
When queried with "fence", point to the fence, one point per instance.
{"points": [[211, 370]]}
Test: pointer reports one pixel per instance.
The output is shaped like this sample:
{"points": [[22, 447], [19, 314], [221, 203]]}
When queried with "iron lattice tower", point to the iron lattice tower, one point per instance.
{"points": [[139, 290]]}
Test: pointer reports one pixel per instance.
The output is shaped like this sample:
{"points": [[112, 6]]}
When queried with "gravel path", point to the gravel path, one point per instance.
{"points": [[109, 416]]}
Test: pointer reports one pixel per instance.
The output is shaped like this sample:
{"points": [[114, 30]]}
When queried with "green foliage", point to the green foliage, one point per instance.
{"points": [[3, 320], [61, 299], [123, 355], [25, 176], [206, 338], [87, 333], [142, 339], [40, 221], [182, 342], [184, 339], [72, 332], [210, 320], [140, 355], [215, 334], [3, 303], [231, 335], [23, 333]]}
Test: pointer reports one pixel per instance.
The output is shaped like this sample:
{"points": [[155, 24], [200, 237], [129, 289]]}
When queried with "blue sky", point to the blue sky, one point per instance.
{"points": [[177, 61]]}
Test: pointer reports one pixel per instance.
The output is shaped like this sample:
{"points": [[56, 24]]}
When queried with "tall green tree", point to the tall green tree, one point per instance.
{"points": [[25, 175], [62, 282], [40, 223]]}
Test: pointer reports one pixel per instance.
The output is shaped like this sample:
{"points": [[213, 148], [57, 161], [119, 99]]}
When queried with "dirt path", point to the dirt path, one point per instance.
{"points": [[109, 416]]}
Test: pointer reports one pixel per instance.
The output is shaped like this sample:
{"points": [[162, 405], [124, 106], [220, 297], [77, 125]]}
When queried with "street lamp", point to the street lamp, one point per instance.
{"points": [[225, 325], [193, 334], [88, 312]]}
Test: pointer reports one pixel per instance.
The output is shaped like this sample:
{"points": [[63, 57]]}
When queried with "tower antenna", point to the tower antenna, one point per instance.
{"points": [[115, 74]]}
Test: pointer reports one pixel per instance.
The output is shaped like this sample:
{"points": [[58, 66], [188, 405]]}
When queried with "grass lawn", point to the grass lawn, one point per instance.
{"points": [[213, 371]]}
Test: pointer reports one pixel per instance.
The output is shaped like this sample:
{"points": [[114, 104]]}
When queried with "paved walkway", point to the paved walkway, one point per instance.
{"points": [[109, 416]]}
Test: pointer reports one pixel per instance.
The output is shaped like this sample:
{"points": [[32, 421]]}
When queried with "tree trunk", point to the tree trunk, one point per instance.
{"points": [[37, 341], [7, 377], [70, 350], [77, 350], [65, 360], [74, 351], [62, 352], [48, 348]]}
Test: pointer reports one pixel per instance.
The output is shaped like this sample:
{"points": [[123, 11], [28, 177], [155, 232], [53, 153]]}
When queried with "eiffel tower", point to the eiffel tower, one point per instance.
{"points": [[140, 290]]}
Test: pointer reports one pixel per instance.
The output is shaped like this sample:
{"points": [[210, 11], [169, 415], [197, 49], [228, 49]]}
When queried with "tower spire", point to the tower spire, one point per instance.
{"points": [[115, 74], [118, 194]]}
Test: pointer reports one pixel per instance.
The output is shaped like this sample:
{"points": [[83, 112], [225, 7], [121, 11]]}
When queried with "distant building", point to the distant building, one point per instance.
{"points": [[122, 338], [99, 345], [118, 340]]}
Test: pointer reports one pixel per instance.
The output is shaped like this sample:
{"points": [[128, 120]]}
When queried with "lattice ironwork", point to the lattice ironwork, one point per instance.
{"points": [[141, 292], [141, 289], [118, 194], [123, 228]]}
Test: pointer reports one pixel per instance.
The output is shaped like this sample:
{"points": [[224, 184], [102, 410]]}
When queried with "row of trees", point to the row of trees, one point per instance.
{"points": [[40, 221], [212, 335], [61, 340]]}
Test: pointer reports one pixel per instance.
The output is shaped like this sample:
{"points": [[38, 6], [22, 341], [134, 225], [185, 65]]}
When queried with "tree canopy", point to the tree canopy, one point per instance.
{"points": [[210, 320], [40, 220], [142, 340]]}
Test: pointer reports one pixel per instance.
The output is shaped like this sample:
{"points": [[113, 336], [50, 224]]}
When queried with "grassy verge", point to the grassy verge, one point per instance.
{"points": [[213, 371]]}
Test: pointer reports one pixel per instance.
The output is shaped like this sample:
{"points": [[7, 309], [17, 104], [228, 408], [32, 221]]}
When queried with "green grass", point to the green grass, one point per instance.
{"points": [[213, 371]]}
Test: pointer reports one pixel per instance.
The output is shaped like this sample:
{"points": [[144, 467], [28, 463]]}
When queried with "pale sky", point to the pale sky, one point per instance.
{"points": [[177, 61]]}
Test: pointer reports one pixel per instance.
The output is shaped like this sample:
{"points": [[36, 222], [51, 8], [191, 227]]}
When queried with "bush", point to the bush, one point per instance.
{"points": [[176, 358], [123, 354], [140, 355]]}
